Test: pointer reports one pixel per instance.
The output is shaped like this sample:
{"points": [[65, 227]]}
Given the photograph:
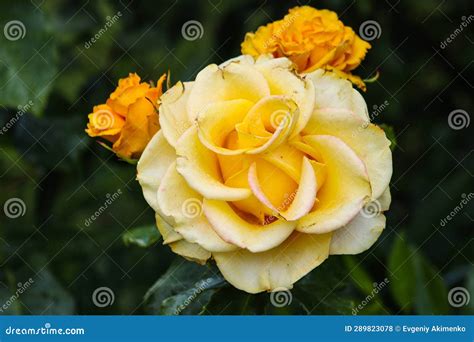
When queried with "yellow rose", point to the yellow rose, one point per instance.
{"points": [[266, 171], [129, 118], [312, 39]]}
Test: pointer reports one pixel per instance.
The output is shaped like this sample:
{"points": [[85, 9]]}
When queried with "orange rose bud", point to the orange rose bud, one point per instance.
{"points": [[129, 119], [311, 39]]}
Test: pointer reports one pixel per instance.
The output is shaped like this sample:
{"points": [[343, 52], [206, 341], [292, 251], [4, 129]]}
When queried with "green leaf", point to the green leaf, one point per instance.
{"points": [[326, 290], [46, 296], [27, 57], [425, 292], [390, 133], [230, 301], [401, 268], [145, 236], [185, 288], [358, 274], [469, 310]]}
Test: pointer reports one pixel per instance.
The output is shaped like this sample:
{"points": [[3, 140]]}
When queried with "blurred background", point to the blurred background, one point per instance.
{"points": [[63, 57]]}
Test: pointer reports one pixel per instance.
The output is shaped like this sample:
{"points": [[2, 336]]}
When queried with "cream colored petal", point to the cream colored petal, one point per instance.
{"points": [[244, 59], [234, 81], [177, 200], [190, 251], [302, 201], [332, 91], [358, 235], [283, 81], [359, 106], [367, 140], [199, 166], [235, 230], [345, 189], [167, 232], [279, 267], [385, 199], [173, 116], [151, 167]]}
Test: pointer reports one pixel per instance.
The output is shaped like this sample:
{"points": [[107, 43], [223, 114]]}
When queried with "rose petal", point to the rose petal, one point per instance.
{"points": [[217, 121], [167, 232], [367, 140], [283, 81], [173, 111], [358, 235], [177, 200], [235, 230], [200, 168], [345, 190], [190, 251], [302, 201], [234, 81], [151, 167], [279, 267]]}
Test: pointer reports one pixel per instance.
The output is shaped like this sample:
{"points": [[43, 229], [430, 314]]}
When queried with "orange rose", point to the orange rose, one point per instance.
{"points": [[312, 39], [129, 118]]}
